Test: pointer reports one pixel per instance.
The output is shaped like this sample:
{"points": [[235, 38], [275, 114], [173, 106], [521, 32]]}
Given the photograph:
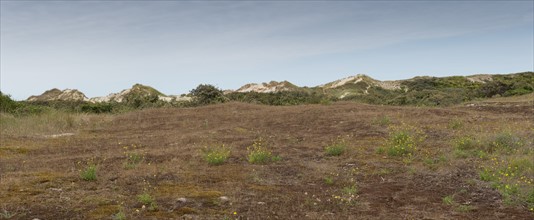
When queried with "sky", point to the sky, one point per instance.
{"points": [[100, 47]]}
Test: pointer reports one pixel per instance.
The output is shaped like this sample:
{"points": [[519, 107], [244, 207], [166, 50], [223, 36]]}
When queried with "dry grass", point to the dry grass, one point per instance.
{"points": [[40, 175]]}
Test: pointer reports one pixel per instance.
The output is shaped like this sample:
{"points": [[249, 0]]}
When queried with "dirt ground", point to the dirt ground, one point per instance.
{"points": [[40, 175]]}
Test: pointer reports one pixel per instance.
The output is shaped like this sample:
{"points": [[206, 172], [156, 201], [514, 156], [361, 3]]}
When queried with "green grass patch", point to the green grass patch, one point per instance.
{"points": [[336, 148], [258, 153], [403, 140], [89, 173], [216, 155]]}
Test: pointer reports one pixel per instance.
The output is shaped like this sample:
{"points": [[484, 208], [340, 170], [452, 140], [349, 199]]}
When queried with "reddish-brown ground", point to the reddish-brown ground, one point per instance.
{"points": [[40, 175]]}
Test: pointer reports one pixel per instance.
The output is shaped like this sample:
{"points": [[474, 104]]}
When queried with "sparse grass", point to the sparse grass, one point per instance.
{"points": [[7, 215], [258, 153], [89, 173], [383, 121], [349, 194], [466, 146], [464, 208], [133, 156], [448, 200], [49, 122], [276, 158], [505, 142], [336, 148], [216, 155], [119, 215], [328, 180], [455, 124]]}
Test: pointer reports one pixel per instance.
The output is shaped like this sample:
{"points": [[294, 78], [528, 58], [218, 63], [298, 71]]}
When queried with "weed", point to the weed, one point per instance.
{"points": [[448, 200], [456, 124], [133, 157], [403, 140], [328, 180], [382, 121], [505, 142], [464, 208], [216, 155], [336, 148], [530, 200], [380, 150], [119, 216], [148, 200], [350, 190], [486, 175], [276, 158], [89, 173], [258, 152], [7, 215], [348, 194]]}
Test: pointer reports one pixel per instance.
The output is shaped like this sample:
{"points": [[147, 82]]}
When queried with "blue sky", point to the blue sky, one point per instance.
{"points": [[101, 47]]}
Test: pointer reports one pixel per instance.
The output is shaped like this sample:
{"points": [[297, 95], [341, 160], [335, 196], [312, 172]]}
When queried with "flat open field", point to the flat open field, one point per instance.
{"points": [[149, 164]]}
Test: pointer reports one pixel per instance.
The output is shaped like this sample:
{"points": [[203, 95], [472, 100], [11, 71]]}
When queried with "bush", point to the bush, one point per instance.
{"points": [[258, 153], [89, 173], [505, 142], [403, 140], [207, 94], [7, 104], [336, 148], [216, 155]]}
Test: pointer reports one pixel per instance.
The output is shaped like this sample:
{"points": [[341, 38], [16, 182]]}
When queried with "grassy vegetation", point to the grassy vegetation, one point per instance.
{"points": [[89, 173], [216, 155], [446, 147], [403, 140], [258, 153], [336, 148]]}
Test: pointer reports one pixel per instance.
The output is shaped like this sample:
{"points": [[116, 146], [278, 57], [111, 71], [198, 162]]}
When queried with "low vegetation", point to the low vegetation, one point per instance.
{"points": [[216, 155], [339, 160], [336, 148]]}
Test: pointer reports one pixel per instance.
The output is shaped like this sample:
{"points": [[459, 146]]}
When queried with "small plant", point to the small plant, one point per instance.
{"points": [[148, 200], [119, 216], [350, 190], [486, 175], [464, 208], [276, 158], [380, 150], [403, 140], [456, 124], [348, 194], [133, 157], [382, 121], [329, 180], [132, 160], [6, 214], [216, 155], [89, 173], [466, 146], [336, 148], [506, 142], [448, 200], [258, 152]]}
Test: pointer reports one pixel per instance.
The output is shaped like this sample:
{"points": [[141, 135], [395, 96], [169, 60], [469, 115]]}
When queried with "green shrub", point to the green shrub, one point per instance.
{"points": [[448, 200], [89, 173], [403, 140], [336, 148], [258, 153], [505, 142], [329, 180], [148, 200], [216, 155], [207, 94]]}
